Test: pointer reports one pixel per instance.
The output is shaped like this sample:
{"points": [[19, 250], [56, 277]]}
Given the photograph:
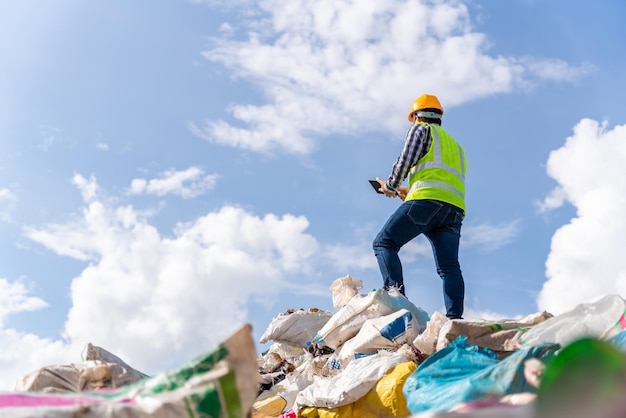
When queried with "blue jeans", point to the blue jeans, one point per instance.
{"points": [[441, 223]]}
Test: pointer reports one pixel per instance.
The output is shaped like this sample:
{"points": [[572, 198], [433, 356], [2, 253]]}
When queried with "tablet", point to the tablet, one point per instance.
{"points": [[376, 185]]}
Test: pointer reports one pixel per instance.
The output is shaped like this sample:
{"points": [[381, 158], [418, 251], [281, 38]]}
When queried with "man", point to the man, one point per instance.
{"points": [[433, 203]]}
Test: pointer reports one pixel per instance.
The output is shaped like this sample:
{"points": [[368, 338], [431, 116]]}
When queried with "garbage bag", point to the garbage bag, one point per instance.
{"points": [[387, 332], [399, 301], [222, 382], [352, 383], [461, 373], [426, 342], [100, 370], [601, 318], [296, 327], [347, 322], [499, 335], [344, 289], [385, 399], [72, 378]]}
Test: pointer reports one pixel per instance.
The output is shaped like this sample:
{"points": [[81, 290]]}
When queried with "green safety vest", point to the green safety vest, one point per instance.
{"points": [[440, 174]]}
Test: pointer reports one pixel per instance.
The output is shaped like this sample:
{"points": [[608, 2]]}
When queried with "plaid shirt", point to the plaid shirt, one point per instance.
{"points": [[416, 145]]}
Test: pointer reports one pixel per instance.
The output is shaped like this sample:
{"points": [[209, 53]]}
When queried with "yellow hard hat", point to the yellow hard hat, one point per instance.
{"points": [[426, 101]]}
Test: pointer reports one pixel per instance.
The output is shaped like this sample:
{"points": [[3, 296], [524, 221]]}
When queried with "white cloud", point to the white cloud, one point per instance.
{"points": [[14, 298], [489, 237], [88, 187], [360, 256], [555, 199], [349, 258], [557, 70], [6, 195], [158, 300], [355, 66], [187, 184], [419, 247], [586, 257], [22, 352]]}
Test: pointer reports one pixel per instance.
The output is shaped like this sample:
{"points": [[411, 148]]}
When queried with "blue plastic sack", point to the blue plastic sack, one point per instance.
{"points": [[462, 373]]}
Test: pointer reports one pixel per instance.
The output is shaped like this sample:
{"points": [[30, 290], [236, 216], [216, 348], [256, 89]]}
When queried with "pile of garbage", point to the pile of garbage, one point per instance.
{"points": [[377, 355], [220, 383]]}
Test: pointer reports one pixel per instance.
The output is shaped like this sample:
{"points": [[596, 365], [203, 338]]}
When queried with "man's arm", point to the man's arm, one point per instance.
{"points": [[417, 137]]}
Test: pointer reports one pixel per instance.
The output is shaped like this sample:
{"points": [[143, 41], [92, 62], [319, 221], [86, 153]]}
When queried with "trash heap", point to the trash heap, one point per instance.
{"points": [[377, 355], [221, 383]]}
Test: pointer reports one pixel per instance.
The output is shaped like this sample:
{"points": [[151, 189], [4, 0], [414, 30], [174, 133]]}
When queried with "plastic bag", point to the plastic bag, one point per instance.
{"points": [[461, 373], [344, 289], [426, 342], [223, 382], [351, 384], [387, 332], [500, 335], [347, 322], [601, 318], [296, 327], [100, 370], [399, 301], [385, 399]]}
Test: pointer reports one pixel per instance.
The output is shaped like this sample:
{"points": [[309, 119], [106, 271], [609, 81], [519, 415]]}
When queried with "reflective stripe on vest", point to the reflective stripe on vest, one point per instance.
{"points": [[424, 186]]}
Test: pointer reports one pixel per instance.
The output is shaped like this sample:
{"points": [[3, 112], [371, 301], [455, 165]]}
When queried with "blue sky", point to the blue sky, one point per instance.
{"points": [[172, 169]]}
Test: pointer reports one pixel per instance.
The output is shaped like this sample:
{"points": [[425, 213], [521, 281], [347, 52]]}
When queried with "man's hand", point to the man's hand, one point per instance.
{"points": [[384, 189], [402, 192]]}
